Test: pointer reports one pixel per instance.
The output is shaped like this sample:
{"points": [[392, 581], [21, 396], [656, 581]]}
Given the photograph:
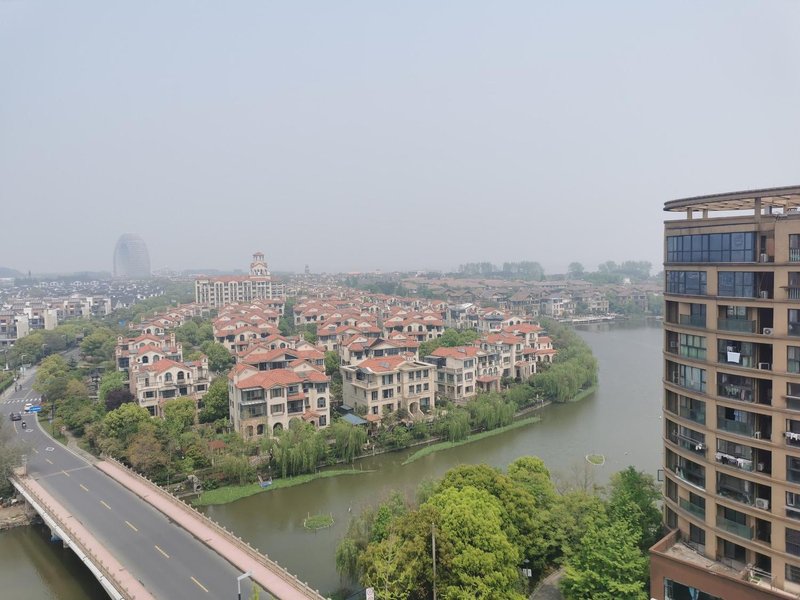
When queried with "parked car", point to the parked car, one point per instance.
{"points": [[28, 406]]}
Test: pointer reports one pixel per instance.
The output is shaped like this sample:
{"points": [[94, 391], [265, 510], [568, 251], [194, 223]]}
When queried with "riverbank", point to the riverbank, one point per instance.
{"points": [[469, 439], [231, 493], [15, 516], [584, 394]]}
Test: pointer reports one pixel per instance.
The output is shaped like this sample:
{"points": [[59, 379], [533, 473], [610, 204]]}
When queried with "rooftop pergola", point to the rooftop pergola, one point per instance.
{"points": [[785, 198]]}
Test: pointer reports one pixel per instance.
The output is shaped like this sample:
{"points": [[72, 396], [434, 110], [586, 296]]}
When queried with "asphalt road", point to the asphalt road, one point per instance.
{"points": [[168, 561]]}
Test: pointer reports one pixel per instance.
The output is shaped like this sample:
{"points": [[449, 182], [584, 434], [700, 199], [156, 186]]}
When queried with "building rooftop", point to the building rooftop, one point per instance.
{"points": [[781, 197]]}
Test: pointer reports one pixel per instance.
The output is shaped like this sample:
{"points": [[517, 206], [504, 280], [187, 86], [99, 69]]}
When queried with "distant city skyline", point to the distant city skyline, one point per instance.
{"points": [[364, 136]]}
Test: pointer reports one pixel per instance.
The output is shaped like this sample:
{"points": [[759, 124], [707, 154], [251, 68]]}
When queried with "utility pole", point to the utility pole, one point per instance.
{"points": [[433, 552]]}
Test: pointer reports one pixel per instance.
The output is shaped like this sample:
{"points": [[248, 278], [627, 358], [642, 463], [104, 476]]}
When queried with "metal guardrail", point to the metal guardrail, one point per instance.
{"points": [[243, 545], [74, 538]]}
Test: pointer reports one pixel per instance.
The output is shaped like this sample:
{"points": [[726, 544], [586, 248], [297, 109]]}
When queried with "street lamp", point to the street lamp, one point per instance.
{"points": [[239, 579]]}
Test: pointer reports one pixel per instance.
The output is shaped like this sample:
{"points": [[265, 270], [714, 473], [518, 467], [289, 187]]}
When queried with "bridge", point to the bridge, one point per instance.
{"points": [[139, 541]]}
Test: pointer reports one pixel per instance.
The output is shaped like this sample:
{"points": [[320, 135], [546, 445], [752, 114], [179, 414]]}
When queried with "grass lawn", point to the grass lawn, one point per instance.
{"points": [[472, 438], [230, 493]]}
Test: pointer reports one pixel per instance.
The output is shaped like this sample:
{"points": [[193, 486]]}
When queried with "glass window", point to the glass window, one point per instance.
{"points": [[737, 284], [693, 346], [793, 469], [793, 359], [686, 282], [737, 246], [793, 541]]}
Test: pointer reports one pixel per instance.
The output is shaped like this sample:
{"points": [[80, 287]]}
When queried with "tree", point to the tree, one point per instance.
{"points": [[332, 363], [575, 270], [179, 415], [480, 560], [219, 359], [11, 451], [146, 452], [215, 402], [99, 345], [124, 422], [348, 440], [607, 564], [299, 448], [310, 333], [117, 397], [531, 473], [52, 377], [635, 497], [110, 381]]}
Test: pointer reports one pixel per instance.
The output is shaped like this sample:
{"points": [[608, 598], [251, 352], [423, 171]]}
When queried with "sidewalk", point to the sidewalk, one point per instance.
{"points": [[548, 588], [224, 544]]}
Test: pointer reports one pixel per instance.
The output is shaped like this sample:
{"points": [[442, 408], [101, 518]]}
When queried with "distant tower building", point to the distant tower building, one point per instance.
{"points": [[131, 259], [308, 271]]}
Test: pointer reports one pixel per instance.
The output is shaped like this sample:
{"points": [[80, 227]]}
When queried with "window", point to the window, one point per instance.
{"points": [[277, 409], [697, 534], [794, 247], [320, 402], [388, 379], [793, 359], [693, 346], [793, 469], [738, 246], [793, 541], [260, 430], [374, 395], [792, 573], [276, 393], [388, 394], [794, 322], [686, 282], [323, 420], [737, 284]]}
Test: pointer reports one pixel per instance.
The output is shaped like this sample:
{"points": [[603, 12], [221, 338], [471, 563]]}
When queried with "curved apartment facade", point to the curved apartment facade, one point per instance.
{"points": [[731, 413]]}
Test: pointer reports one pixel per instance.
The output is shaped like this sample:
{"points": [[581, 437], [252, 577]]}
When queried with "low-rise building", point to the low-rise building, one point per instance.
{"points": [[456, 372], [388, 384], [262, 403], [153, 383]]}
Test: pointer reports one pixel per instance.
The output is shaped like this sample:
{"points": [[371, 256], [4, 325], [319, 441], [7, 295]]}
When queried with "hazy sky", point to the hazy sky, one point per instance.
{"points": [[356, 135]]}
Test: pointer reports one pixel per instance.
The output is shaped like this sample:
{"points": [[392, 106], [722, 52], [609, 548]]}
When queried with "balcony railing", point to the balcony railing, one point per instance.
{"points": [[743, 531], [734, 461], [792, 439], [734, 494], [794, 254], [697, 511], [737, 427], [698, 416], [693, 320], [739, 325], [691, 476]]}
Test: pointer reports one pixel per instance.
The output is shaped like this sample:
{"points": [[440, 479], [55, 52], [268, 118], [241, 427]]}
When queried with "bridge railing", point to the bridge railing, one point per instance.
{"points": [[243, 545], [75, 538]]}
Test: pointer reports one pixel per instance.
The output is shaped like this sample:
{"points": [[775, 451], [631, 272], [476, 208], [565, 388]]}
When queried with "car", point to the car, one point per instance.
{"points": [[28, 406], [15, 416]]}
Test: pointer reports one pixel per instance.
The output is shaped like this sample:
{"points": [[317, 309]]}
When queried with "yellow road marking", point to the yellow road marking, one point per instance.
{"points": [[65, 473], [162, 552], [128, 523], [200, 585], [48, 460], [83, 487], [104, 504]]}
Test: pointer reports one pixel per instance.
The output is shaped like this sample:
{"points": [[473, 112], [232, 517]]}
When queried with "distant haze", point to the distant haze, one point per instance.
{"points": [[372, 135]]}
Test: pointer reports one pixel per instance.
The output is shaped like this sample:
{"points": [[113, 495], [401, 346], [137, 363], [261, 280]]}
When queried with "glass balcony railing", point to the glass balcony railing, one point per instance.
{"points": [[737, 427], [692, 320], [694, 477], [739, 325], [743, 531], [697, 511], [698, 416]]}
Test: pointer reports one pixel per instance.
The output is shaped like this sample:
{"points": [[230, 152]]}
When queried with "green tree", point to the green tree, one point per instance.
{"points": [[332, 363], [575, 270], [110, 381], [145, 451], [179, 415], [219, 359], [310, 333], [635, 496], [607, 564], [11, 451], [99, 345], [478, 559], [531, 473], [215, 402], [52, 377], [348, 440], [299, 448]]}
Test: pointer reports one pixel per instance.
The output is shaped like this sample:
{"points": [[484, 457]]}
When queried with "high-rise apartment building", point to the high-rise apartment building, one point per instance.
{"points": [[731, 414], [131, 259], [258, 285]]}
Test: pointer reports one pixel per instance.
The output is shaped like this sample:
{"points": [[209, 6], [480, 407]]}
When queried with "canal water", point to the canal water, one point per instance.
{"points": [[621, 421]]}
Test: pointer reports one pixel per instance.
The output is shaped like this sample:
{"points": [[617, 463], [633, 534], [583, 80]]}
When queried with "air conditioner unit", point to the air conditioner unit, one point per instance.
{"points": [[764, 294], [764, 257], [765, 366], [762, 503], [760, 467], [757, 435], [767, 331]]}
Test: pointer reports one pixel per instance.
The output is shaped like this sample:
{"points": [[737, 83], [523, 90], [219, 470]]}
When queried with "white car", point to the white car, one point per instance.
{"points": [[28, 406]]}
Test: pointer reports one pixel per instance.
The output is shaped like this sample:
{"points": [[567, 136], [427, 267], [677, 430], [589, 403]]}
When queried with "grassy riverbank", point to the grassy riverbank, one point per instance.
{"points": [[230, 493], [584, 393], [472, 438]]}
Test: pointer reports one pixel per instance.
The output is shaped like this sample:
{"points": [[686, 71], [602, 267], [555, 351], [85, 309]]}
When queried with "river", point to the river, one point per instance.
{"points": [[621, 421]]}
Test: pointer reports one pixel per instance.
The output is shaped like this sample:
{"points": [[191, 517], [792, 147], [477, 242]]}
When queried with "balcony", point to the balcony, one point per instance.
{"points": [[792, 439], [794, 254], [698, 416], [743, 531], [738, 325], [697, 511], [693, 476], [692, 321], [688, 443], [736, 462], [737, 427]]}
